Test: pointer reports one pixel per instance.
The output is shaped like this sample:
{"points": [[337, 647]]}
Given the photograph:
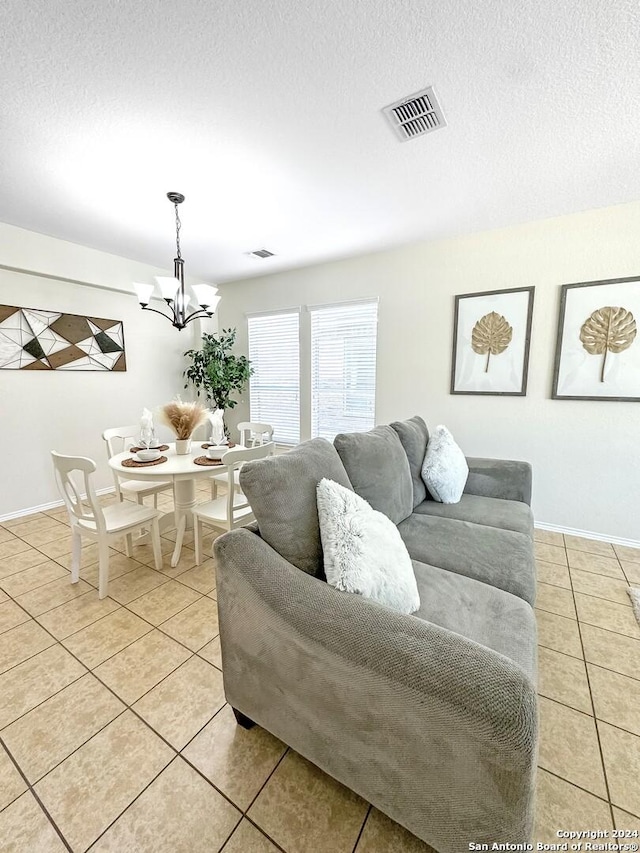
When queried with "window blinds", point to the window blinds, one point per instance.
{"points": [[274, 387], [343, 368]]}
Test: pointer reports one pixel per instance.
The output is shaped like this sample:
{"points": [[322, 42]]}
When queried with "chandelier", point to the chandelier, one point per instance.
{"points": [[182, 306]]}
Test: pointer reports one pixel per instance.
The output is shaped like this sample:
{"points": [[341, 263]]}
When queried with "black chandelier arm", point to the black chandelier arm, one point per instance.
{"points": [[197, 315]]}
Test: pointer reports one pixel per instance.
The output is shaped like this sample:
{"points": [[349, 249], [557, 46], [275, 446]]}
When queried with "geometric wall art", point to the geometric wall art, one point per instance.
{"points": [[32, 339]]}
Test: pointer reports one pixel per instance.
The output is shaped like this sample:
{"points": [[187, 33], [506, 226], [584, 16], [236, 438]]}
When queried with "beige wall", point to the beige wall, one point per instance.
{"points": [[67, 411], [585, 454]]}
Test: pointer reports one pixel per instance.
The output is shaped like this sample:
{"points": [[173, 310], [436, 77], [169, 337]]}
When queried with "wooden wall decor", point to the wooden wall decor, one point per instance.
{"points": [[32, 339]]}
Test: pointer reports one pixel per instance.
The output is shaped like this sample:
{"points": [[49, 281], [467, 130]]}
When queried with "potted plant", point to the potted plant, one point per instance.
{"points": [[216, 372], [183, 418]]}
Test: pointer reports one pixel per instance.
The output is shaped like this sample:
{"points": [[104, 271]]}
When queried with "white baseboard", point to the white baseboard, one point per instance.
{"points": [[588, 534], [30, 510]]}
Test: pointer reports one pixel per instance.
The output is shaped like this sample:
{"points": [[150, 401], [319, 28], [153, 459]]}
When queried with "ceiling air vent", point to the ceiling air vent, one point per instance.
{"points": [[416, 115], [262, 253]]}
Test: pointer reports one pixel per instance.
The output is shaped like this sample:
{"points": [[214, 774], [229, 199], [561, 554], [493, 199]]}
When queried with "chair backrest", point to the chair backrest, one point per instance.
{"points": [[79, 508], [253, 433], [232, 460], [119, 439]]}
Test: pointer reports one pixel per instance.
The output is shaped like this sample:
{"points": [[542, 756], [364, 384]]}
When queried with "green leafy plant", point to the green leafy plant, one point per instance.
{"points": [[215, 371]]}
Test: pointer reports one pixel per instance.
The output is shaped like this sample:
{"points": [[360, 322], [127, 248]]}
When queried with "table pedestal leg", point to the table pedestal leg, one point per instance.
{"points": [[184, 495]]}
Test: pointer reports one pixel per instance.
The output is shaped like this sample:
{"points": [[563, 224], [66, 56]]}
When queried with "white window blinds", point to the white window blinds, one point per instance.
{"points": [[274, 387], [343, 368]]}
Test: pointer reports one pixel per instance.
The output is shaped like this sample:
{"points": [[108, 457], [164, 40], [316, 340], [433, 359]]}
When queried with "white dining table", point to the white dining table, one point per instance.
{"points": [[183, 472]]}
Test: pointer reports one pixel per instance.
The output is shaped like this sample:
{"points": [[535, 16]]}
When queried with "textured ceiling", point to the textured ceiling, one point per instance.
{"points": [[266, 115]]}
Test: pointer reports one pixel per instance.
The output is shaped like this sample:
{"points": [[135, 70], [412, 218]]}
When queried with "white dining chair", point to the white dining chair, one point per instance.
{"points": [[99, 524], [252, 434], [231, 510], [119, 439]]}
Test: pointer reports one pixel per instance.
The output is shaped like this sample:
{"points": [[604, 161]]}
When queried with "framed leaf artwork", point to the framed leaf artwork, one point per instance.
{"points": [[598, 345], [491, 336]]}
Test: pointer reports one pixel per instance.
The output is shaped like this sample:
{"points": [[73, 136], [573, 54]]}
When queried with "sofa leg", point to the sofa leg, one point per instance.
{"points": [[243, 720]]}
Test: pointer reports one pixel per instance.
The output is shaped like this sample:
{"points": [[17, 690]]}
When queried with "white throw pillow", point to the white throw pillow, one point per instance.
{"points": [[363, 551], [445, 468]]}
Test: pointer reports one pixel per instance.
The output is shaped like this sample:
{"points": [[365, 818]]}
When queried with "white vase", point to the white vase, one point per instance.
{"points": [[183, 446]]}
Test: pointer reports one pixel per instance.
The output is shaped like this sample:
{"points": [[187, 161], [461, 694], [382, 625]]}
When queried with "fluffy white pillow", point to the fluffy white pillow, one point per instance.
{"points": [[363, 551], [445, 468]]}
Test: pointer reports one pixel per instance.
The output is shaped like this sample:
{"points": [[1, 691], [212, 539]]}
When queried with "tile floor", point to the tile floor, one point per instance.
{"points": [[115, 735]]}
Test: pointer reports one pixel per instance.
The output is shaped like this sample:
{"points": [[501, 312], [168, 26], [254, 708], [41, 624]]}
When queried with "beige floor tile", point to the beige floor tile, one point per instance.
{"points": [[33, 525], [553, 573], [187, 539], [194, 626], [88, 557], [24, 828], [548, 537], [107, 637], [600, 586], [560, 805], [33, 578], [26, 685], [625, 553], [164, 602], [52, 731], [197, 820], [20, 562], [591, 546], [556, 600], [564, 679], [593, 563], [52, 595], [306, 811], [569, 746], [608, 615], [94, 785], [211, 652], [624, 820], [139, 667], [11, 782], [11, 523], [119, 565], [58, 547], [612, 651], [60, 515], [22, 642], [11, 615], [616, 698], [383, 835], [134, 584], [183, 702], [76, 614], [632, 572], [47, 534], [144, 553], [550, 553], [6, 535], [202, 577], [248, 839], [621, 752], [187, 561], [238, 761], [3, 596], [11, 547]]}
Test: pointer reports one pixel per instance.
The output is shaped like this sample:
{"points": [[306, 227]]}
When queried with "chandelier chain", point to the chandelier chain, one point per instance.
{"points": [[178, 227]]}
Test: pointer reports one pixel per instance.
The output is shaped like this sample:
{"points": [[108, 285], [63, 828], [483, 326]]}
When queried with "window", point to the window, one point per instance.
{"points": [[343, 368], [274, 387]]}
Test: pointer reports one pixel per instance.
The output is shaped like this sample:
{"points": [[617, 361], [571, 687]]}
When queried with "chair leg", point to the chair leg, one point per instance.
{"points": [[214, 489], [155, 500], [128, 544], [103, 566], [155, 542], [197, 539], [76, 555], [242, 719]]}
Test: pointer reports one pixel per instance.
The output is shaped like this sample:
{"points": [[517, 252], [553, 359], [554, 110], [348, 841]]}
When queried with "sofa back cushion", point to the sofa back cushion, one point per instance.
{"points": [[282, 494], [414, 437], [378, 469]]}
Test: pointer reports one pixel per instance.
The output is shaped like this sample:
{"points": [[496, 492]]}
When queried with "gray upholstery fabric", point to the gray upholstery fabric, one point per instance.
{"points": [[414, 437], [499, 478], [378, 469], [501, 558], [492, 512], [436, 730], [489, 616], [282, 494]]}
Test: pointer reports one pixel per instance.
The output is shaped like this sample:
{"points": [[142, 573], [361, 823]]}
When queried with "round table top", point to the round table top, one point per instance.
{"points": [[177, 466]]}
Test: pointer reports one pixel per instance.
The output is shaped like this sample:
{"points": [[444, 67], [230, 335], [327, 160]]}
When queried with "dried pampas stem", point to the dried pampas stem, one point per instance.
{"points": [[183, 418]]}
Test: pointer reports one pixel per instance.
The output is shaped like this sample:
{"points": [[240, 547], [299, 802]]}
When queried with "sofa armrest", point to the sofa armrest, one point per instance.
{"points": [[406, 713], [499, 478]]}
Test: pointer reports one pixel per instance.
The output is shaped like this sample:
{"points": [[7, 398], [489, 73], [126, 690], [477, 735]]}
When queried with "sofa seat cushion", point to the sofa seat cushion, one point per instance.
{"points": [[378, 469], [491, 617], [414, 437], [500, 558], [492, 512]]}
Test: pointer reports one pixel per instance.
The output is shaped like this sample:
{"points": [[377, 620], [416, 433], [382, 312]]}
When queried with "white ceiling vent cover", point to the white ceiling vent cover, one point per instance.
{"points": [[416, 115]]}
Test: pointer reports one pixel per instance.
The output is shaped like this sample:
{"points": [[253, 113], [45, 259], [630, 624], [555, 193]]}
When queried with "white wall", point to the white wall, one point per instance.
{"points": [[67, 410], [586, 455]]}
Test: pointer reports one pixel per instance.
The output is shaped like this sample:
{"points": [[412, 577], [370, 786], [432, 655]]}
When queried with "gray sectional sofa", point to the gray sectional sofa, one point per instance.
{"points": [[430, 717]]}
